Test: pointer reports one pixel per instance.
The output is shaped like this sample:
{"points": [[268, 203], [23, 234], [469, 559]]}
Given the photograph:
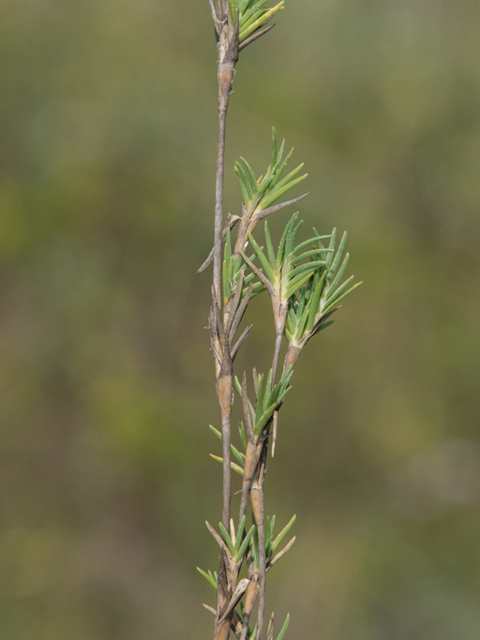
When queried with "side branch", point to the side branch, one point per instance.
{"points": [[217, 243]]}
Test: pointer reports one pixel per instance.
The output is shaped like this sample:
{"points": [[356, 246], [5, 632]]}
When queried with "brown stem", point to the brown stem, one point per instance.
{"points": [[263, 575], [217, 244], [249, 469], [227, 50], [258, 506], [276, 355], [251, 455], [292, 356], [227, 471]]}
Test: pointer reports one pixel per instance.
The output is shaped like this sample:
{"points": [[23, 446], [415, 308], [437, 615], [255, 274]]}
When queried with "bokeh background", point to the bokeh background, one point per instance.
{"points": [[107, 154]]}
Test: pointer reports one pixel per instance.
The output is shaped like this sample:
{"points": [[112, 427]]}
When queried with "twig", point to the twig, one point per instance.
{"points": [[313, 287], [219, 180], [257, 499], [276, 355]]}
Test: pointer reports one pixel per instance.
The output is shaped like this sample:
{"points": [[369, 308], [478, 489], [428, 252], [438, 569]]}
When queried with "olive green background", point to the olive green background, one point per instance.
{"points": [[107, 158]]}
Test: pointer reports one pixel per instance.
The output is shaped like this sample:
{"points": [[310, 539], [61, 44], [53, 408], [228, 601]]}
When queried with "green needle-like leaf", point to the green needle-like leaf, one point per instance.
{"points": [[296, 283], [323, 325], [253, 8], [254, 547], [251, 11], [238, 455], [308, 266], [289, 177], [280, 168], [283, 239], [331, 246], [309, 254], [238, 385], [209, 577], [241, 173], [259, 397], [241, 528], [241, 180], [264, 419], [291, 237], [274, 147], [268, 388], [269, 534], [335, 302], [263, 260], [315, 302], [339, 291], [283, 630], [338, 277], [278, 193], [270, 251], [302, 321], [280, 153], [282, 534], [216, 432], [234, 467], [243, 435], [253, 26], [302, 245], [227, 538], [244, 544], [338, 255], [250, 175]]}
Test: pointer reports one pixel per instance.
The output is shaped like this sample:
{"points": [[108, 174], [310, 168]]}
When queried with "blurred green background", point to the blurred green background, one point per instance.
{"points": [[107, 157]]}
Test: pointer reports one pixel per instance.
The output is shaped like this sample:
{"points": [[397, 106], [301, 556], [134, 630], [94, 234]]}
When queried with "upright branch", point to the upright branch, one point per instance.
{"points": [[304, 284], [227, 38]]}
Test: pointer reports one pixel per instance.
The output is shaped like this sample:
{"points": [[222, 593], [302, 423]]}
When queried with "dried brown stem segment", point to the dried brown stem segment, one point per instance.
{"points": [[251, 461], [293, 353], [250, 600], [227, 56], [225, 394], [276, 355], [257, 500], [224, 595]]}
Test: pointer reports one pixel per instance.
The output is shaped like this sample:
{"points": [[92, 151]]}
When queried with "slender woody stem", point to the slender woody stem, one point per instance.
{"points": [[227, 472], [217, 283], [276, 355], [257, 498], [217, 251], [227, 58]]}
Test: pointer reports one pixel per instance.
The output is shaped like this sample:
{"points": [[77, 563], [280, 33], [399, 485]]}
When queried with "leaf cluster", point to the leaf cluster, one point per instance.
{"points": [[252, 633], [253, 16], [233, 264], [271, 544], [286, 270], [304, 281], [269, 398], [320, 294], [261, 193], [242, 543]]}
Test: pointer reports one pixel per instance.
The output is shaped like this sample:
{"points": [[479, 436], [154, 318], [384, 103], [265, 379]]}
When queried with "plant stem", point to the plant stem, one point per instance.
{"points": [[227, 57], [217, 283], [276, 355], [227, 472], [217, 252], [257, 498]]}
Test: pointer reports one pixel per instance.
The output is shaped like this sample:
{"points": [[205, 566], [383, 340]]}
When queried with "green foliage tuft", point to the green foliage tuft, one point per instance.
{"points": [[253, 16], [259, 194]]}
